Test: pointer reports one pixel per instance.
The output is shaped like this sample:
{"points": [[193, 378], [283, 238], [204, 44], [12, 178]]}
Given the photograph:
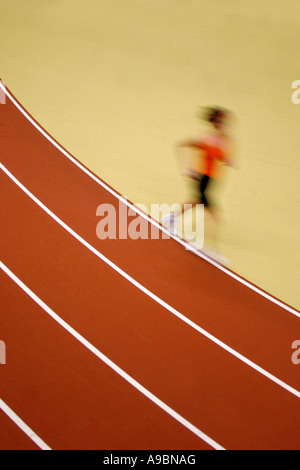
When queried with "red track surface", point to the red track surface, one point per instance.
{"points": [[66, 394]]}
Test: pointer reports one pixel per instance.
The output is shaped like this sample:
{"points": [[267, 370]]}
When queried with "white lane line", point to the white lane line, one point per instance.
{"points": [[148, 292], [110, 363], [143, 214], [23, 426]]}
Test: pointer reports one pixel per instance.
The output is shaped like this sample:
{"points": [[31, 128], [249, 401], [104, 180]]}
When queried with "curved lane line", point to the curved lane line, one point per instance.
{"points": [[23, 426]]}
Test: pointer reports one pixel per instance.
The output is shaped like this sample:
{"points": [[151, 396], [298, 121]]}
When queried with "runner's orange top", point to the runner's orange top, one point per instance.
{"points": [[212, 153]]}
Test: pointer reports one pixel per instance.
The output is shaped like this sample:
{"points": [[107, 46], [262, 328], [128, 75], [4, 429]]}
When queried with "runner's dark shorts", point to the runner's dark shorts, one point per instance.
{"points": [[204, 182]]}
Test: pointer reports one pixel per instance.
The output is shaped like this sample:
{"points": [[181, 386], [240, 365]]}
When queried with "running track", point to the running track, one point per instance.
{"points": [[126, 344]]}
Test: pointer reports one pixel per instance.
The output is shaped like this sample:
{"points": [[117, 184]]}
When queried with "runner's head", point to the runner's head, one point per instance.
{"points": [[218, 117]]}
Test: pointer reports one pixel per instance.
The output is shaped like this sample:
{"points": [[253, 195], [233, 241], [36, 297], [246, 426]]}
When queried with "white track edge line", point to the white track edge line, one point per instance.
{"points": [[23, 426], [137, 210], [149, 293], [110, 363]]}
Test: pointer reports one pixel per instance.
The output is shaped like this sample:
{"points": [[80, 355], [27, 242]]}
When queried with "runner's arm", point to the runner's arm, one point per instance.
{"points": [[193, 143]]}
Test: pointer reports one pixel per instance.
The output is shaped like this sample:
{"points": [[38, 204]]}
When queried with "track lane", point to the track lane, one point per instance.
{"points": [[185, 282], [75, 283], [68, 394]]}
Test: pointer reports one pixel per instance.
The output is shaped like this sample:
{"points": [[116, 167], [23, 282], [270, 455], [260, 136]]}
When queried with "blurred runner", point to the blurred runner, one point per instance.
{"points": [[214, 148]]}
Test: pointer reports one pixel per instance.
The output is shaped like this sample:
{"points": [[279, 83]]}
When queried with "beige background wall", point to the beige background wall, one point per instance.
{"points": [[119, 82]]}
